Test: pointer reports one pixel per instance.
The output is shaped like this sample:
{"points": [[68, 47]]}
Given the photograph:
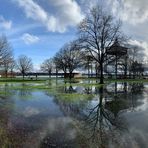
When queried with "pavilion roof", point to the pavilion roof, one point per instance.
{"points": [[117, 49]]}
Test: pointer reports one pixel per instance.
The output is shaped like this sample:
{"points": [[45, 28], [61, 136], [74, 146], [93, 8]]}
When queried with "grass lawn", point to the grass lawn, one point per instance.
{"points": [[73, 82]]}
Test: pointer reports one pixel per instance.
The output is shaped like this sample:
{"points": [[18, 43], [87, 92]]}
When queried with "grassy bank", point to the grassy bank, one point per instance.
{"points": [[76, 81]]}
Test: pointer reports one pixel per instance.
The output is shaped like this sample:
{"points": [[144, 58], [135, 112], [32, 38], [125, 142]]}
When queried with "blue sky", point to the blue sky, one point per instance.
{"points": [[29, 32], [39, 28]]}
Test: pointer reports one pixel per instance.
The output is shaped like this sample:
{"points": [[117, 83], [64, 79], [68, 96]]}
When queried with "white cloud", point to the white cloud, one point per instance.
{"points": [[86, 5], [142, 46], [29, 39], [6, 24], [30, 111], [138, 43], [68, 13], [131, 11]]}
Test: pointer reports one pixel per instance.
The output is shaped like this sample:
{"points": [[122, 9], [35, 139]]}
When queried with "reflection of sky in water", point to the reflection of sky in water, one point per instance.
{"points": [[41, 119], [38, 103]]}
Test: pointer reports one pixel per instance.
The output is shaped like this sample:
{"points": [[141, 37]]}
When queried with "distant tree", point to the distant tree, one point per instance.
{"points": [[12, 67], [6, 55], [137, 69], [98, 31], [136, 55], [47, 66], [68, 58], [74, 56], [61, 61], [87, 63], [7, 63], [24, 64]]}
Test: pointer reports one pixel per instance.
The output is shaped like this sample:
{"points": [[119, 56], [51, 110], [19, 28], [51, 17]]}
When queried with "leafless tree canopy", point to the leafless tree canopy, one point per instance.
{"points": [[24, 64], [6, 54], [5, 48], [60, 60], [47, 66], [98, 31], [68, 58]]}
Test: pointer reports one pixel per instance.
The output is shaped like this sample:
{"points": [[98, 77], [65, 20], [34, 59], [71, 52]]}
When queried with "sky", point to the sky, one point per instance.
{"points": [[39, 28]]}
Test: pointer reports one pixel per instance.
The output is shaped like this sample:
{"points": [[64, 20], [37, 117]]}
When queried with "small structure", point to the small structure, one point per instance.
{"points": [[73, 75], [9, 74], [118, 51]]}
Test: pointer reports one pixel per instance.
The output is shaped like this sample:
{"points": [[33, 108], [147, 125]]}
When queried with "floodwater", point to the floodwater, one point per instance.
{"points": [[74, 116]]}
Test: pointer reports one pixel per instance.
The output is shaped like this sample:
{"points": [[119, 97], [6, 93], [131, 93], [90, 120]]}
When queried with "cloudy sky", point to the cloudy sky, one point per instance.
{"points": [[38, 28]]}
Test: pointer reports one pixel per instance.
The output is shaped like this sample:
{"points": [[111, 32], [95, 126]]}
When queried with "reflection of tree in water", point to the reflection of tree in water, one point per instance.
{"points": [[136, 94], [72, 104], [88, 90], [69, 89], [66, 89], [24, 92], [6, 90], [128, 94], [105, 122], [137, 88], [101, 123]]}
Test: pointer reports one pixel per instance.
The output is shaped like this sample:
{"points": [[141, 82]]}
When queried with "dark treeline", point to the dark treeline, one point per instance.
{"points": [[100, 48]]}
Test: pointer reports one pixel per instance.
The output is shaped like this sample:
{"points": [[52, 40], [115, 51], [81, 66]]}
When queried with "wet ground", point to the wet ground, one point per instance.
{"points": [[77, 115]]}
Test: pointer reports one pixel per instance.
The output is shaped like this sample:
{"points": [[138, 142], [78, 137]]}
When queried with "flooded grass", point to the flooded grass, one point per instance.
{"points": [[81, 113]]}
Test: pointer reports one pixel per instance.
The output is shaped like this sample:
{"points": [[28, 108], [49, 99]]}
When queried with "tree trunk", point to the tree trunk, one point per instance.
{"points": [[11, 74], [101, 96], [88, 71], [49, 74], [56, 73], [65, 74], [125, 72], [101, 73], [116, 67], [91, 70], [6, 74], [23, 76], [70, 75]]}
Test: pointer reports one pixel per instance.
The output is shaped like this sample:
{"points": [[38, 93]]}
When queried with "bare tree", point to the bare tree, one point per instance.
{"points": [[61, 61], [136, 55], [7, 63], [137, 69], [6, 55], [24, 64], [47, 66], [12, 67], [98, 31], [87, 63], [68, 58], [73, 56]]}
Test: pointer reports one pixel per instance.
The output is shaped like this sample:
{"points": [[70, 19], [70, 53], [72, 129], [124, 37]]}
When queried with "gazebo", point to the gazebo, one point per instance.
{"points": [[118, 51]]}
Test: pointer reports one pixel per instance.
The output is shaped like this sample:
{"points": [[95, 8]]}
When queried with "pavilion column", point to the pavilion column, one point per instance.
{"points": [[116, 67]]}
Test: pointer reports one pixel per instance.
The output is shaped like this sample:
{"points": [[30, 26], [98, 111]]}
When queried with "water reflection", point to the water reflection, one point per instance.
{"points": [[101, 119], [24, 92], [103, 123], [74, 116]]}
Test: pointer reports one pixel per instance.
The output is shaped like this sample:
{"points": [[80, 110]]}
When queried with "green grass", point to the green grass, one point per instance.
{"points": [[51, 84], [127, 80], [72, 81], [71, 97], [20, 80]]}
